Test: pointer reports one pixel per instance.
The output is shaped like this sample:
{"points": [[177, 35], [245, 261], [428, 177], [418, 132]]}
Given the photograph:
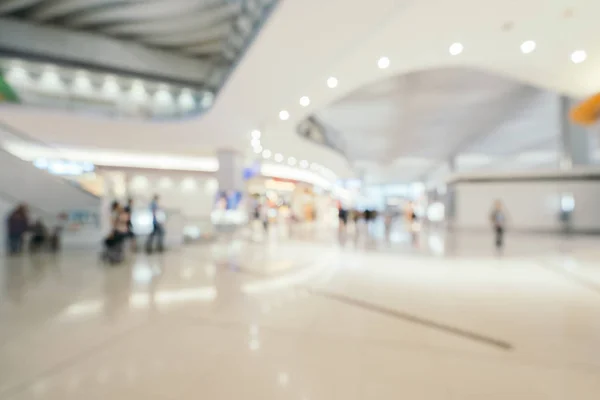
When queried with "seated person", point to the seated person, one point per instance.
{"points": [[39, 234]]}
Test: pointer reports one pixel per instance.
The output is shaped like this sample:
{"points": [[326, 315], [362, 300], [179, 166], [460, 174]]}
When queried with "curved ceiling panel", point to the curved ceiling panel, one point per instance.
{"points": [[439, 114], [185, 39], [205, 48], [49, 10], [179, 24], [142, 10]]}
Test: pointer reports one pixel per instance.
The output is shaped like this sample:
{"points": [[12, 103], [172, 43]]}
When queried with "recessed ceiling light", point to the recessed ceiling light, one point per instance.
{"points": [[291, 161], [304, 101], [578, 56], [528, 46], [266, 154], [255, 142], [304, 164], [255, 134], [383, 62], [456, 48], [258, 149], [278, 157], [284, 115], [332, 82]]}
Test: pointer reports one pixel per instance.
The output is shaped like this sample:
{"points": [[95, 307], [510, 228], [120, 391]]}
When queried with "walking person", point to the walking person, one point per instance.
{"points": [[157, 228], [17, 225], [498, 220]]}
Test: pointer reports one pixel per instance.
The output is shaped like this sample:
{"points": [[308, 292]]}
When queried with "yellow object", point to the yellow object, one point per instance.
{"points": [[587, 112]]}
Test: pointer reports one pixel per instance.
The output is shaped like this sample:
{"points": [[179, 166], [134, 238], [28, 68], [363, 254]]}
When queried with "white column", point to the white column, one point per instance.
{"points": [[231, 171], [575, 142]]}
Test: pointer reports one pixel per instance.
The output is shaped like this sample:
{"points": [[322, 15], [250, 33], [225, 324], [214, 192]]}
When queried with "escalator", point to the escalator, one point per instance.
{"points": [[21, 181]]}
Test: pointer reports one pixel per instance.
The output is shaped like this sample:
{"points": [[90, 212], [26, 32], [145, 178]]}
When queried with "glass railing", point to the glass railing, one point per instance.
{"points": [[43, 85]]}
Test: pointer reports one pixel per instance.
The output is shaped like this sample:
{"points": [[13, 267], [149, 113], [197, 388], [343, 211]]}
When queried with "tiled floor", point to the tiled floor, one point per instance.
{"points": [[315, 317]]}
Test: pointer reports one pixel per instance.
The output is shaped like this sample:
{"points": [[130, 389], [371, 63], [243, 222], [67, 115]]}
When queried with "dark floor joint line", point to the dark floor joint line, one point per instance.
{"points": [[577, 279], [465, 334]]}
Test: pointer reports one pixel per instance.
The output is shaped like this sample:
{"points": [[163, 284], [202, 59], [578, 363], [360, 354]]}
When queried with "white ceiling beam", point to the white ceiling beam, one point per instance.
{"points": [[143, 10], [178, 24], [95, 51], [205, 48], [59, 8], [9, 6], [186, 39]]}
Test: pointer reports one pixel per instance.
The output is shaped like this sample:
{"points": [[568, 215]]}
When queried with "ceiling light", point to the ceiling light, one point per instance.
{"points": [[528, 47], [332, 82], [304, 164], [266, 154], [278, 157], [456, 49], [284, 115], [383, 62], [291, 161], [255, 142], [304, 101], [578, 56], [258, 149], [255, 134]]}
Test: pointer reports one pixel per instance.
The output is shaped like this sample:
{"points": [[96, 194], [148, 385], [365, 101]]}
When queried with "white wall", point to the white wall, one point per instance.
{"points": [[530, 205], [190, 193]]}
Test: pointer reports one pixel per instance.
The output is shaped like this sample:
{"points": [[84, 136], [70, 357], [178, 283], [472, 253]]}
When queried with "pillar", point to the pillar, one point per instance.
{"points": [[575, 142], [230, 174], [450, 206]]}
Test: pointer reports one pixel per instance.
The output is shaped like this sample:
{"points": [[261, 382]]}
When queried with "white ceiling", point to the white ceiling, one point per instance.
{"points": [[306, 41]]}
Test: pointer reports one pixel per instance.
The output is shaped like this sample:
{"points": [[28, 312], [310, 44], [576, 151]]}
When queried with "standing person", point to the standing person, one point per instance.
{"points": [[343, 218], [157, 228], [18, 224], [498, 220], [130, 234], [118, 232], [413, 222]]}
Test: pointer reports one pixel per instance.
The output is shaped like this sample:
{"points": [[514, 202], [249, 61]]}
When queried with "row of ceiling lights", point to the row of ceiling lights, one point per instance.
{"points": [[278, 157], [527, 47]]}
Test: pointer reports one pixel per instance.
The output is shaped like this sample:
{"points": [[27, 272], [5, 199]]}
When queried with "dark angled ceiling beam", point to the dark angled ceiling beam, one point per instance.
{"points": [[9, 6]]}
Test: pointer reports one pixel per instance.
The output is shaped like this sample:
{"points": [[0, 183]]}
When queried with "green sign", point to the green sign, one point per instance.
{"points": [[6, 92]]}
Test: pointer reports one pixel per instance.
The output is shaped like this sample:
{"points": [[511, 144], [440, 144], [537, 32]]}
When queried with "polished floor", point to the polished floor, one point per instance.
{"points": [[317, 316]]}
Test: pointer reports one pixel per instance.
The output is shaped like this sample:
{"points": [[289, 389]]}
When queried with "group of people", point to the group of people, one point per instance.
{"points": [[19, 226], [121, 230]]}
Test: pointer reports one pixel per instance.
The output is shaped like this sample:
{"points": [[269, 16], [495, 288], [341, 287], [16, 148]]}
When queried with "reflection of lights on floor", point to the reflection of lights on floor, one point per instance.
{"points": [[436, 245], [254, 344], [210, 270], [187, 273], [283, 379]]}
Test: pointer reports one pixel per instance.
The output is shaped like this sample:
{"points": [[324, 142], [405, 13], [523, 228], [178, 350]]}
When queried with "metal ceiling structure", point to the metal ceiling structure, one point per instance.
{"points": [[189, 41], [409, 126]]}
